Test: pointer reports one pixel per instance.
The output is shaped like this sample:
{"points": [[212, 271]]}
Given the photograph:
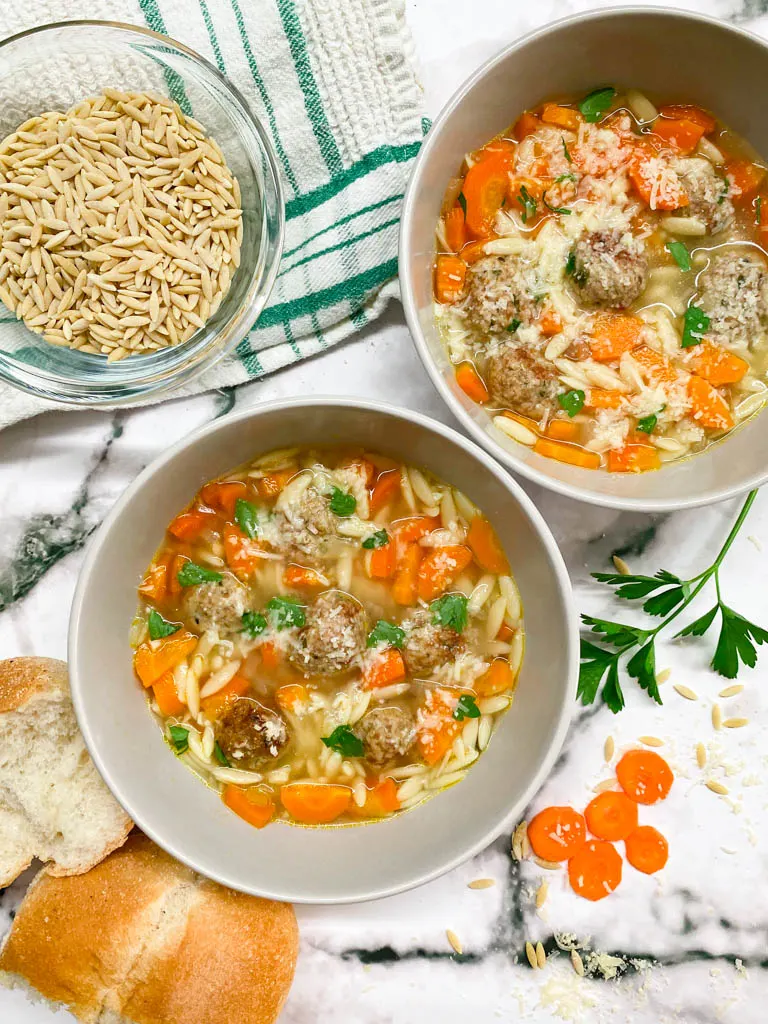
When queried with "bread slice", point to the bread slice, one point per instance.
{"points": [[53, 803], [143, 939]]}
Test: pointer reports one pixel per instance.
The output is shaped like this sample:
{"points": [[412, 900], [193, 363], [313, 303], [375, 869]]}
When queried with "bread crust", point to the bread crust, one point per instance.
{"points": [[21, 679], [144, 937]]}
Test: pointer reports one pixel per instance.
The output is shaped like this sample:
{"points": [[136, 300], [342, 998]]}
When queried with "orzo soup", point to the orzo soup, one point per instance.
{"points": [[601, 281], [327, 635]]}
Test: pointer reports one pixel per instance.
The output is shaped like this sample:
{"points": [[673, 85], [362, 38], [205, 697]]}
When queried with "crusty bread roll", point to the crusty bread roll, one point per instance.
{"points": [[143, 939], [53, 803]]}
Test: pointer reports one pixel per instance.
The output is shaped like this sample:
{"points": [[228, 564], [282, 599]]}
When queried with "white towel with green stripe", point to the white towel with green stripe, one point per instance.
{"points": [[333, 82]]}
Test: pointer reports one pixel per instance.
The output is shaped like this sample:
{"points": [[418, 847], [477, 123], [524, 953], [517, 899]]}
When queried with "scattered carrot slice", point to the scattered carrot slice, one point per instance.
{"points": [[745, 178], [613, 334], [450, 272], [471, 383], [385, 488], [315, 803], [155, 584], [595, 870], [404, 584], [382, 562], [484, 188], [563, 430], [486, 547], [556, 833], [291, 696], [166, 695], [497, 679], [189, 525], [601, 398], [155, 657], [236, 687], [680, 133], [440, 568], [708, 407], [271, 485], [570, 453], [690, 113], [716, 364], [633, 458], [222, 496], [647, 850], [474, 251], [563, 117], [644, 776], [413, 528], [525, 125], [436, 728], [252, 805], [302, 578], [455, 230], [657, 368], [611, 816], [550, 323], [384, 669], [651, 181]]}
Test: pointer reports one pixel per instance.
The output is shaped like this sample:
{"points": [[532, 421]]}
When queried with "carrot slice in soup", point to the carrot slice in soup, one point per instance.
{"points": [[471, 383], [382, 562], [680, 133], [601, 398], [563, 430], [155, 657], [166, 695], [386, 486], [252, 805], [189, 525], [384, 669], [556, 833], [474, 251], [440, 568], [653, 182], [243, 554], [613, 334], [563, 117], [484, 188], [633, 458], [380, 801], [301, 578], [525, 125], [154, 586], [404, 584], [570, 453], [647, 850], [413, 528], [497, 679], [611, 816], [708, 407], [228, 694], [644, 776], [271, 655], [656, 367], [450, 272], [486, 546], [595, 870], [687, 111], [271, 485], [745, 178], [222, 496], [315, 803], [292, 696], [716, 364], [550, 323], [436, 728], [455, 230]]}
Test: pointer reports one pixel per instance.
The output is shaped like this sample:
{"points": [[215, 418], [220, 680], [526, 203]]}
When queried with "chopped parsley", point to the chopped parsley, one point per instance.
{"points": [[597, 103], [376, 540], [680, 255], [513, 325], [579, 275], [462, 201], [725, 192], [285, 612], [192, 575], [647, 424], [342, 504], [254, 624], [345, 741], [220, 756], [466, 708], [528, 203], [568, 176], [160, 627], [695, 325], [566, 154], [554, 209], [759, 210], [386, 633], [247, 517], [450, 610], [179, 737], [572, 401]]}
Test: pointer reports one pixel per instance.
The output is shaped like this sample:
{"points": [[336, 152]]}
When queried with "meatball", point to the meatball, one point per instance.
{"points": [[306, 526], [520, 378], [334, 635], [427, 644], [249, 734], [707, 194], [609, 268], [219, 605], [387, 733], [500, 289], [735, 298]]}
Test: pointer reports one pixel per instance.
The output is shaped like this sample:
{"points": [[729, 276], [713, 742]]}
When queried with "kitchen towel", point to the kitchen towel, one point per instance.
{"points": [[333, 81]]}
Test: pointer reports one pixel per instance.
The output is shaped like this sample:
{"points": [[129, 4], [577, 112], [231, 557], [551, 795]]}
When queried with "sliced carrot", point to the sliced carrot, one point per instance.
{"points": [[243, 554], [611, 816], [745, 178], [471, 383], [647, 850], [505, 632], [236, 687], [525, 125], [496, 147], [486, 547], [556, 833], [405, 582], [252, 805], [573, 454], [633, 458], [563, 430], [613, 334], [450, 272], [166, 695], [563, 117], [708, 407], [601, 398], [644, 776], [657, 368], [189, 525], [436, 728], [222, 495], [413, 528], [716, 364], [651, 180], [497, 679], [292, 696], [595, 871], [680, 133], [386, 486], [549, 322], [271, 656], [155, 657], [384, 669], [382, 562], [154, 586], [271, 485], [455, 229], [524, 421], [687, 111], [381, 800], [484, 188], [315, 803], [440, 568], [474, 251], [302, 578]]}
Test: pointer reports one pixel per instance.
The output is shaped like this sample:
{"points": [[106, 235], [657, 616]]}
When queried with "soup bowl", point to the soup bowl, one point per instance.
{"points": [[337, 863], [672, 54]]}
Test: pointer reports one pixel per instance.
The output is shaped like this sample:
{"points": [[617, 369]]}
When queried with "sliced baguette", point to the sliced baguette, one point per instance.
{"points": [[53, 803], [142, 939]]}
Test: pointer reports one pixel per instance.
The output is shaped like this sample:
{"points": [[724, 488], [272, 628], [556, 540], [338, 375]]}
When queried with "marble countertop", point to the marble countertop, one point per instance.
{"points": [[690, 943]]}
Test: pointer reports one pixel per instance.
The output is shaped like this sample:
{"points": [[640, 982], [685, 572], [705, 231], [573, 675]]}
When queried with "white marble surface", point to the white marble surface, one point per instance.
{"points": [[701, 926]]}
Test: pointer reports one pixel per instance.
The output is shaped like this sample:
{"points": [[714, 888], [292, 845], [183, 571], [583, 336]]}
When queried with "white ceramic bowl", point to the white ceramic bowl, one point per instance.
{"points": [[337, 864], [668, 53]]}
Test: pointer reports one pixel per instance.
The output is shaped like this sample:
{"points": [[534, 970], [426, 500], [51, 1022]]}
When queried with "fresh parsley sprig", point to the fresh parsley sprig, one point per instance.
{"points": [[663, 594]]}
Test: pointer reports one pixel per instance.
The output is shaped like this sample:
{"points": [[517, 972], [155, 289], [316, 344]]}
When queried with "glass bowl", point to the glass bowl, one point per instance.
{"points": [[54, 67]]}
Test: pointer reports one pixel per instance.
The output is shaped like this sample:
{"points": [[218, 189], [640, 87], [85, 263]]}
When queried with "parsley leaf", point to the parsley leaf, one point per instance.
{"points": [[725, 191], [342, 504], [616, 633], [160, 627], [594, 664], [254, 623], [579, 274], [695, 326], [642, 667], [192, 575], [513, 325], [597, 103], [247, 517], [466, 708], [680, 255], [220, 756], [462, 201], [528, 203], [566, 154], [285, 612], [386, 633], [345, 741], [554, 209], [376, 540], [612, 692], [450, 610], [759, 210], [572, 401], [568, 176], [179, 737], [736, 642], [647, 424]]}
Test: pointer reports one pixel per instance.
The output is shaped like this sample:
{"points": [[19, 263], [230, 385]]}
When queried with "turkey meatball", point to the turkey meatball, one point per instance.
{"points": [[250, 734], [334, 635], [387, 734], [707, 193], [217, 605], [428, 644], [520, 378], [306, 526], [735, 298], [609, 269], [500, 289]]}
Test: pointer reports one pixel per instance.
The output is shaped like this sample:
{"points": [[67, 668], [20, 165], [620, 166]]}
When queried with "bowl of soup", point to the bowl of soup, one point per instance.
{"points": [[584, 259], [341, 645]]}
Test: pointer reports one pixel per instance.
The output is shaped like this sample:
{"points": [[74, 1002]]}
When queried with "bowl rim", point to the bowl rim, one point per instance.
{"points": [[78, 629], [35, 381], [508, 457]]}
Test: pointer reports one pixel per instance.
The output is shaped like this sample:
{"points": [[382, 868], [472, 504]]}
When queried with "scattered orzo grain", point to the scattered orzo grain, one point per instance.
{"points": [[547, 865], [609, 748], [717, 716], [541, 895], [453, 939], [701, 755], [663, 676], [482, 883], [621, 565], [717, 787], [520, 846], [578, 963], [685, 691], [541, 956], [530, 952], [651, 741], [602, 786], [735, 723], [731, 691]]}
